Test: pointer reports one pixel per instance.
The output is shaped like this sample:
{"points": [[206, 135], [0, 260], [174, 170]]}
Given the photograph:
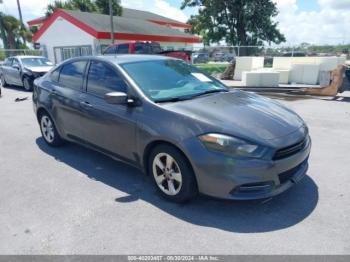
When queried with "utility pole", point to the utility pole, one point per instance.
{"points": [[21, 19], [111, 20], [20, 12]]}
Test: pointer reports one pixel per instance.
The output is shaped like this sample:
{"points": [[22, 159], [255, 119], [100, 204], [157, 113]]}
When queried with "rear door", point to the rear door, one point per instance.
{"points": [[5, 70], [66, 98], [109, 127]]}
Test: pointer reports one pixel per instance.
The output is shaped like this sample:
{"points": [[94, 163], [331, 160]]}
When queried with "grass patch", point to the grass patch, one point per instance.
{"points": [[213, 69]]}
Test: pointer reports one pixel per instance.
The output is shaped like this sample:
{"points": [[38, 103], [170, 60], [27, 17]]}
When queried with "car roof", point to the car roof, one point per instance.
{"points": [[27, 56], [123, 59]]}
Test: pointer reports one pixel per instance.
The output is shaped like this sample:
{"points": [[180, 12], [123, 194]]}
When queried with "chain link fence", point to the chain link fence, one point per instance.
{"points": [[215, 59]]}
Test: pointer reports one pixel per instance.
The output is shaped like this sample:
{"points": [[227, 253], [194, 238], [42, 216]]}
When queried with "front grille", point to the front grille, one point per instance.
{"points": [[290, 150]]}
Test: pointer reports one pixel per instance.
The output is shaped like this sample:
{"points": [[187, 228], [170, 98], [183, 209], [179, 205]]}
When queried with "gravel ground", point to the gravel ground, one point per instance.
{"points": [[72, 200]]}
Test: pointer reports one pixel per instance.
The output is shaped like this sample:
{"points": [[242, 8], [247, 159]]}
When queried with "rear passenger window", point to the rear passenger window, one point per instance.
{"points": [[123, 49], [102, 79], [72, 75]]}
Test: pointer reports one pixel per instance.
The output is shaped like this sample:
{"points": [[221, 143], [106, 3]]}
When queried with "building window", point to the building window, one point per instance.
{"points": [[66, 52]]}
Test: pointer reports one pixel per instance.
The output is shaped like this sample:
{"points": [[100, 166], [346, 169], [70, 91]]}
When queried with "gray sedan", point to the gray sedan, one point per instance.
{"points": [[185, 129]]}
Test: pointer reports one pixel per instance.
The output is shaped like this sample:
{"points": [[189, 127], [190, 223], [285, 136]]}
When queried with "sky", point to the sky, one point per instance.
{"points": [[311, 21]]}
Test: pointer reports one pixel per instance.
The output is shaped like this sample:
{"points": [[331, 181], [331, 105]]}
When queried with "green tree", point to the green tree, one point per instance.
{"points": [[12, 32], [57, 4], [103, 6], [92, 6], [238, 22]]}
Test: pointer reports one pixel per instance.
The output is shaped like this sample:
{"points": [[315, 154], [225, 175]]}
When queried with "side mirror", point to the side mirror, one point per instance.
{"points": [[117, 98], [16, 66]]}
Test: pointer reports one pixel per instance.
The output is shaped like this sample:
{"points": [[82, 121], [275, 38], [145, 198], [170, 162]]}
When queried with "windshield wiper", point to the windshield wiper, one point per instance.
{"points": [[171, 99], [189, 97], [210, 92]]}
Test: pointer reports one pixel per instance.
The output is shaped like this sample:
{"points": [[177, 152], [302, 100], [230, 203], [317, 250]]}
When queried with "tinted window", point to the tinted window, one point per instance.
{"points": [[111, 50], [156, 49], [72, 75], [55, 75], [8, 61], [123, 49], [103, 79], [142, 49], [15, 62]]}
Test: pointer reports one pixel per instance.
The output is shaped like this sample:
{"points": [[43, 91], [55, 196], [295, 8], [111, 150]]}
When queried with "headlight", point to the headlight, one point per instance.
{"points": [[232, 146]]}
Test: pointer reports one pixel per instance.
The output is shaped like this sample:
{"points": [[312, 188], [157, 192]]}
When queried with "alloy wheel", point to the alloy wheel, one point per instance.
{"points": [[47, 129], [167, 174]]}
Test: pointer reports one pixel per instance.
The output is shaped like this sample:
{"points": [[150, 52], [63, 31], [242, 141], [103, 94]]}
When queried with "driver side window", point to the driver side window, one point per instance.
{"points": [[103, 79], [15, 62], [8, 62]]}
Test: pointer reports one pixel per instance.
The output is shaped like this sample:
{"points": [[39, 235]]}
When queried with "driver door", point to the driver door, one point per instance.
{"points": [[14, 72], [108, 127]]}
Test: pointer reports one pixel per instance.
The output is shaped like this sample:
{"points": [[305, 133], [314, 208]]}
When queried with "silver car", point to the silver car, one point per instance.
{"points": [[23, 70], [186, 130]]}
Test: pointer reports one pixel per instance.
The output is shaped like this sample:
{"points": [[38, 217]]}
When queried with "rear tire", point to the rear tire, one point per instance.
{"points": [[49, 131], [3, 81], [172, 174], [27, 84]]}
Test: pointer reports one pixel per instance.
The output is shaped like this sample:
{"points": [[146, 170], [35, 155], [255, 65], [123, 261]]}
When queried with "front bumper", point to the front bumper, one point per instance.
{"points": [[224, 177]]}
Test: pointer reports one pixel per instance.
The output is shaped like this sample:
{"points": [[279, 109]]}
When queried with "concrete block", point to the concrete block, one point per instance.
{"points": [[269, 79], [327, 63], [296, 74], [247, 63], [282, 63], [251, 78], [310, 74], [284, 75], [260, 78]]}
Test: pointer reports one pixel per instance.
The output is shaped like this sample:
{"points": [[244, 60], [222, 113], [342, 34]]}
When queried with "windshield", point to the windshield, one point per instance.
{"points": [[36, 61], [163, 80]]}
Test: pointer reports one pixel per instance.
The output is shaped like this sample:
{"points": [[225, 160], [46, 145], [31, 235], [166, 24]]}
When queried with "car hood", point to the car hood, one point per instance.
{"points": [[241, 114], [39, 69]]}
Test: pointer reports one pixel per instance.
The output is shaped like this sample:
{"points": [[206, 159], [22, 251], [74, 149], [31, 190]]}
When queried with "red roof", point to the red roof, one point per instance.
{"points": [[146, 31]]}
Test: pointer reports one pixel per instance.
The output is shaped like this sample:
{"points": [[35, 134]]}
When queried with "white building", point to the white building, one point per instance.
{"points": [[69, 33]]}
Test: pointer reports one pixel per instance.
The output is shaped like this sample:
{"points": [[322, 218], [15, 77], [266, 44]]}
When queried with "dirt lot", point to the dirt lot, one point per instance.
{"points": [[72, 200]]}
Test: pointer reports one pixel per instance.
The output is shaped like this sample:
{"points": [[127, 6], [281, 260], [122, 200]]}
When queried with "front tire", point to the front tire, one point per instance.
{"points": [[49, 131], [172, 174], [27, 84]]}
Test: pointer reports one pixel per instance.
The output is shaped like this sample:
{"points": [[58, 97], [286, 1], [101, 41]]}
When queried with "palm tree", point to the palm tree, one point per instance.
{"points": [[12, 32], [57, 4]]}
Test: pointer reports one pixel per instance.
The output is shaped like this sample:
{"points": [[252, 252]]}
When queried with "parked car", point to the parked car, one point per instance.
{"points": [[294, 54], [23, 70], [200, 58], [218, 57], [187, 130], [145, 47], [228, 57]]}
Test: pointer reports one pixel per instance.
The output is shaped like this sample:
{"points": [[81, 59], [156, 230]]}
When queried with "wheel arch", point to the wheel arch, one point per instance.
{"points": [[154, 144]]}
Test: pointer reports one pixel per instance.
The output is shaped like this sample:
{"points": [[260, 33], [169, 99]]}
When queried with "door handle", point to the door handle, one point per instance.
{"points": [[86, 105]]}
